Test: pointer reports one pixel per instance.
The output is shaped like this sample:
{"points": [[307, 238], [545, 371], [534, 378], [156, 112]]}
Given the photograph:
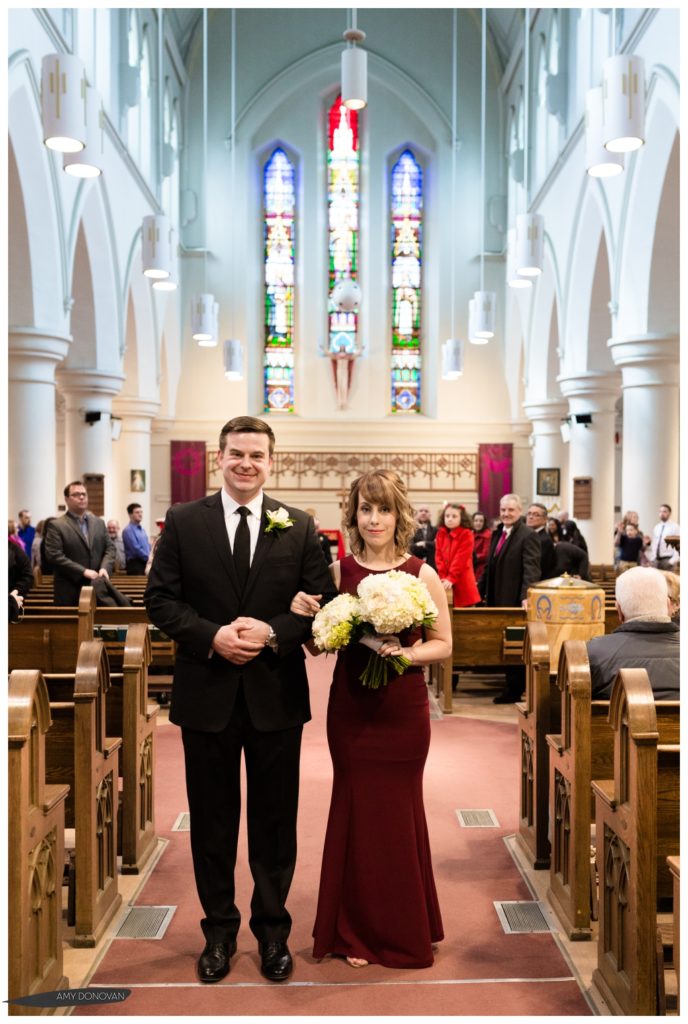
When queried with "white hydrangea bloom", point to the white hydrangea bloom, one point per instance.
{"points": [[334, 624], [395, 600]]}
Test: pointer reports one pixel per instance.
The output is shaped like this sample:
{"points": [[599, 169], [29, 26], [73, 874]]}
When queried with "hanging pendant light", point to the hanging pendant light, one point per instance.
{"points": [[599, 162], [514, 280], [484, 302], [529, 244], [63, 98], [156, 246], [354, 71], [233, 359], [169, 284], [204, 319], [623, 82], [452, 359], [86, 163]]}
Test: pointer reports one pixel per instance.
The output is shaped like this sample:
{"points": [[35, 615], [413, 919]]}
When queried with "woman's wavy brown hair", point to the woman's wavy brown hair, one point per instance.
{"points": [[380, 487]]}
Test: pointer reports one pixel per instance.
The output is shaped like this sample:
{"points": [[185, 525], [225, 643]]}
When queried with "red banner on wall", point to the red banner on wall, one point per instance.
{"points": [[187, 470], [495, 476]]}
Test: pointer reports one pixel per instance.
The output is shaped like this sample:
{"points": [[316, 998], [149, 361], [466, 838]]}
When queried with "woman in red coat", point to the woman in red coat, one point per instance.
{"points": [[482, 536], [454, 556]]}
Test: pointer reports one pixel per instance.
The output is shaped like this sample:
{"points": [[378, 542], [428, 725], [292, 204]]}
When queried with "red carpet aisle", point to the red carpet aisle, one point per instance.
{"points": [[479, 970]]}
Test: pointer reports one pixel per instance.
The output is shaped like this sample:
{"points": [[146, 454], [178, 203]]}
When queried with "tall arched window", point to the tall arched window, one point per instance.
{"points": [[542, 116], [278, 210], [133, 113], [407, 230], [342, 206], [170, 183], [145, 140]]}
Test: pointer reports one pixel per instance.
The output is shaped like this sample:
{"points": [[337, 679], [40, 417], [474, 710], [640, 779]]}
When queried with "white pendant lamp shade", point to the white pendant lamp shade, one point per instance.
{"points": [[346, 295], [156, 246], [169, 284], [530, 244], [513, 278], [599, 162], [354, 76], [63, 102], [623, 81], [204, 319], [452, 359], [484, 306], [87, 162], [234, 359]]}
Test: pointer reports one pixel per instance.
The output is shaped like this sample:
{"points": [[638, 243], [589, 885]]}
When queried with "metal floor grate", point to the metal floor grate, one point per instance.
{"points": [[519, 917], [183, 822], [145, 923], [482, 818]]}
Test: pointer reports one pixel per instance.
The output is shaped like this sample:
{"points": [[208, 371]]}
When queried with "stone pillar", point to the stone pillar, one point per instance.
{"points": [[591, 454], [88, 445], [33, 355], [549, 450], [132, 452], [521, 432], [649, 367]]}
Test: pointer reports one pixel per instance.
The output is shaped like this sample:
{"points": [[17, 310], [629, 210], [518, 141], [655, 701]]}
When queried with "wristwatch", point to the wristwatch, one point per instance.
{"points": [[271, 639]]}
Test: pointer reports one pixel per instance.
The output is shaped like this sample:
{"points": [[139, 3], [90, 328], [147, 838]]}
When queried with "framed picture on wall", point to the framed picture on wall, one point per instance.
{"points": [[137, 478], [548, 482]]}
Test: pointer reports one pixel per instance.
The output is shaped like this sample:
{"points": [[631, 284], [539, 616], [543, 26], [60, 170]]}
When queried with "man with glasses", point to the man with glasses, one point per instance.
{"points": [[423, 540], [80, 549]]}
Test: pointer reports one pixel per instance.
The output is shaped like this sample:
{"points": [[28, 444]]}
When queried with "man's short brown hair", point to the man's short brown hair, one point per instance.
{"points": [[247, 425]]}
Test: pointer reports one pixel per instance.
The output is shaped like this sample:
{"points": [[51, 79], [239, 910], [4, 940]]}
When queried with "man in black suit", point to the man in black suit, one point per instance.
{"points": [[423, 540], [80, 549], [513, 565], [225, 571], [536, 519]]}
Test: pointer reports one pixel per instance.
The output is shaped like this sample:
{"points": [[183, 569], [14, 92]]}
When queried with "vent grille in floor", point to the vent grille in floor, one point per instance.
{"points": [[520, 916], [483, 818], [145, 923]]}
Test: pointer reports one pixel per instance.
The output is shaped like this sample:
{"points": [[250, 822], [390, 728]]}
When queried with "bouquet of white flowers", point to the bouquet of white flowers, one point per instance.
{"points": [[387, 603]]}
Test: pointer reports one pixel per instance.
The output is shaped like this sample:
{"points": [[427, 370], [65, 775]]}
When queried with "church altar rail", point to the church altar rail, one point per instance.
{"points": [[637, 824]]}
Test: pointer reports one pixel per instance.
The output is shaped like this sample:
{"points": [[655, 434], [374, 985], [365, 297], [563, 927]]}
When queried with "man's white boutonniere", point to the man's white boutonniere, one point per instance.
{"points": [[278, 520]]}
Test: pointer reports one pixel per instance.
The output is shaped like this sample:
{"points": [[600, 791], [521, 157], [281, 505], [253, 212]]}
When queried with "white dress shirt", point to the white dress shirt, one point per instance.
{"points": [[659, 547], [255, 508]]}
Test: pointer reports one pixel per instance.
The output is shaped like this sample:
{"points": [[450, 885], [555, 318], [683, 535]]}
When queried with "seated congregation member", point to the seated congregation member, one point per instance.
{"points": [[481, 543], [646, 638], [19, 578], [536, 519], [454, 556], [513, 565], [136, 543], [424, 539], [377, 901], [79, 548]]}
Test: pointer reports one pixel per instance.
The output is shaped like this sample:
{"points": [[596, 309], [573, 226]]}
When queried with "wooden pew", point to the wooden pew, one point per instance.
{"points": [[581, 752], [538, 715], [49, 639], [674, 865], [36, 813], [441, 672], [637, 819], [478, 636], [130, 716], [80, 754]]}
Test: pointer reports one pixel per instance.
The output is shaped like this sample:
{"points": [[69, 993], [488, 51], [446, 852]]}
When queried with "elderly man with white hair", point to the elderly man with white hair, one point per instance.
{"points": [[646, 638]]}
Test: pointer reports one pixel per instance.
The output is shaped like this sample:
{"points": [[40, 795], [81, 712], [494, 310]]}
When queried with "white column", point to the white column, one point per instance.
{"points": [[549, 450], [520, 431], [132, 452], [88, 445], [591, 454], [33, 355], [649, 367]]}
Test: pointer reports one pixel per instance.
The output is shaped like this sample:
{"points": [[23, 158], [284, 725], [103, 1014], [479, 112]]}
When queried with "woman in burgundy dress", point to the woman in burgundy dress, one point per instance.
{"points": [[377, 901], [454, 556]]}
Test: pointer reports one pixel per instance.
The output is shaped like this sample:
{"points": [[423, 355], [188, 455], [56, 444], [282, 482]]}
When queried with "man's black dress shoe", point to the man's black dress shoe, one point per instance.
{"points": [[275, 961], [213, 963]]}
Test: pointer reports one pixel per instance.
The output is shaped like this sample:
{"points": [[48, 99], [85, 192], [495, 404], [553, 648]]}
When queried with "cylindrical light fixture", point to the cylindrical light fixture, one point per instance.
{"points": [[513, 278], [452, 359], [203, 319], [155, 246], [623, 82], [530, 244], [354, 71], [87, 162], [169, 284], [233, 359], [484, 306], [599, 162], [63, 102]]}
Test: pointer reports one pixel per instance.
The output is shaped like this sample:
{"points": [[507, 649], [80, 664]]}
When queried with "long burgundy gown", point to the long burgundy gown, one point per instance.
{"points": [[377, 896]]}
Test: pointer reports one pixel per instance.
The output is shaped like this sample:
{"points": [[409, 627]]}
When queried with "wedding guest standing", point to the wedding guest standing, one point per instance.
{"points": [[481, 543], [377, 901], [454, 556], [135, 540], [424, 539]]}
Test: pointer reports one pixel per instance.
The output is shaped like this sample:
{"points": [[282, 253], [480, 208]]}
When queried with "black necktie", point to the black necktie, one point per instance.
{"points": [[242, 546]]}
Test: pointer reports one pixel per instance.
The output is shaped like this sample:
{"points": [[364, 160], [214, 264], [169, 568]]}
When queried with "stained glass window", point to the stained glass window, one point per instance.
{"points": [[342, 205], [279, 205], [407, 230]]}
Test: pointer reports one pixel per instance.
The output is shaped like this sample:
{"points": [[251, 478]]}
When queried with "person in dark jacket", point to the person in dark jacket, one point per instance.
{"points": [[646, 638], [424, 539], [20, 580], [571, 559], [536, 519]]}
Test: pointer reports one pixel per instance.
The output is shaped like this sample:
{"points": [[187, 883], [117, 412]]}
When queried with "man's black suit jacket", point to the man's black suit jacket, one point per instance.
{"points": [[193, 590], [507, 576], [547, 556], [70, 554]]}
